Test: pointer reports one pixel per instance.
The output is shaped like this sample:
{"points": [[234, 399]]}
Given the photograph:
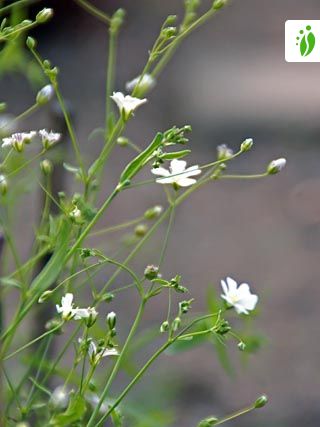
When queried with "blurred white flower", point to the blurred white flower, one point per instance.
{"points": [[49, 138], [177, 174], [238, 297], [127, 104], [147, 82], [66, 308], [18, 140], [224, 152], [276, 165], [59, 398], [96, 353]]}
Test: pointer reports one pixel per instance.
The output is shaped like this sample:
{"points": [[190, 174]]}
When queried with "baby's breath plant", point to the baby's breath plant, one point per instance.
{"points": [[57, 285]]}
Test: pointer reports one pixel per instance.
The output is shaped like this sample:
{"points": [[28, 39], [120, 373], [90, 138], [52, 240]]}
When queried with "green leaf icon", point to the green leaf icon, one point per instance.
{"points": [[307, 43]]}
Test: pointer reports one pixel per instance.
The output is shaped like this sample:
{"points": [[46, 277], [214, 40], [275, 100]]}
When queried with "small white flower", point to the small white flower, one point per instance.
{"points": [[66, 308], [276, 166], [85, 313], [96, 353], [18, 140], [178, 173], [127, 104], [59, 398], [224, 152], [147, 82], [49, 138], [238, 297], [111, 319]]}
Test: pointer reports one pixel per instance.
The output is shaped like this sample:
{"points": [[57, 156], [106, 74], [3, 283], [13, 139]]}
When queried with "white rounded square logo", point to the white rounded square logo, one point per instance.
{"points": [[302, 41]]}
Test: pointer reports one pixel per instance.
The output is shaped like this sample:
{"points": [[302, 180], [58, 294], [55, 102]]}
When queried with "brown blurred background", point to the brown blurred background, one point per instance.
{"points": [[230, 81]]}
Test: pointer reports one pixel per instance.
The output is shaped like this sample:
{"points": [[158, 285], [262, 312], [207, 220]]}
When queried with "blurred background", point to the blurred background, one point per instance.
{"points": [[230, 81]]}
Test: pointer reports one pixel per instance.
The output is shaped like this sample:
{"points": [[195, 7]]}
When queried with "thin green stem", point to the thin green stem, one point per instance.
{"points": [[117, 227], [8, 8], [117, 365], [112, 48], [40, 337], [94, 11], [235, 415]]}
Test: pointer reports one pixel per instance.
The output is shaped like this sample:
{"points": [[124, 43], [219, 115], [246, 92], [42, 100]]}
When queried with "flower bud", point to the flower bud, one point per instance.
{"points": [[53, 324], [176, 323], [241, 346], [117, 20], [44, 15], [45, 95], [3, 107], [276, 166], [140, 230], [111, 320], [3, 185], [31, 42], [123, 141], [154, 212], [208, 422], [261, 402], [218, 4], [246, 145], [59, 398], [151, 272], [107, 297], [76, 216], [171, 19], [169, 32], [164, 326], [46, 167], [44, 296]]}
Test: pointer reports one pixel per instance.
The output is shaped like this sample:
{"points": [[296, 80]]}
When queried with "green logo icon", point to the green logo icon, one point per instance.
{"points": [[306, 40]]}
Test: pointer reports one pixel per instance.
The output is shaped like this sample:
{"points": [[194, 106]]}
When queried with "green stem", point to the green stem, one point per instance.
{"points": [[40, 337], [110, 75], [117, 365], [235, 415], [94, 11]]}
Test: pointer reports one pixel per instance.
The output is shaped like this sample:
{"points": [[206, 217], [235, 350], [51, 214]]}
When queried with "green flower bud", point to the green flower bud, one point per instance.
{"points": [[45, 95], [3, 107], [151, 272], [111, 320], [169, 32], [218, 4], [108, 297], [123, 141], [276, 166], [164, 326], [52, 324], [46, 167], [208, 422], [261, 402], [241, 346], [44, 296], [246, 145], [140, 230], [153, 213], [176, 323], [3, 185], [31, 42], [44, 15]]}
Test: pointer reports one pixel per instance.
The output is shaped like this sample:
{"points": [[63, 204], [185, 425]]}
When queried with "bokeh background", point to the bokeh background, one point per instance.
{"points": [[230, 81]]}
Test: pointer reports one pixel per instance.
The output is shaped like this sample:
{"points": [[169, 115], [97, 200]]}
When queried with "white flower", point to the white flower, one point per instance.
{"points": [[147, 82], [178, 174], [238, 297], [59, 398], [85, 313], [127, 104], [48, 138], [66, 308], [18, 140], [224, 152], [96, 353], [276, 166]]}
